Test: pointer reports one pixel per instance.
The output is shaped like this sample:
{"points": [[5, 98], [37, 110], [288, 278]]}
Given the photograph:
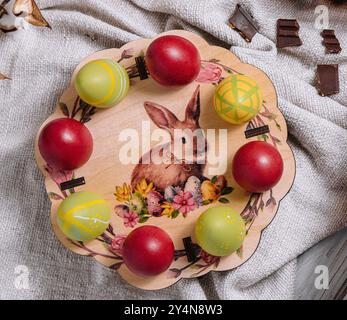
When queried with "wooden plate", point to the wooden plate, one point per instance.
{"points": [[104, 171]]}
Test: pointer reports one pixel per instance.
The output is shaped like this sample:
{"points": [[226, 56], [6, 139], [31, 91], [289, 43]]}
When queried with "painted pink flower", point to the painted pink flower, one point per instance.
{"points": [[184, 202], [59, 176], [117, 244], [154, 199], [130, 219], [208, 258], [209, 73]]}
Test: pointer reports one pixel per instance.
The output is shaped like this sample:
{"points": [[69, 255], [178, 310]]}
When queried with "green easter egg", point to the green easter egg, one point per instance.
{"points": [[237, 99], [102, 83], [220, 231], [83, 216]]}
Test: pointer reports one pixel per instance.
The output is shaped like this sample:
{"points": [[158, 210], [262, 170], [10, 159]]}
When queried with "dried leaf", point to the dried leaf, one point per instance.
{"points": [[32, 12], [3, 77], [64, 109], [176, 272], [116, 266], [54, 196], [268, 202]]}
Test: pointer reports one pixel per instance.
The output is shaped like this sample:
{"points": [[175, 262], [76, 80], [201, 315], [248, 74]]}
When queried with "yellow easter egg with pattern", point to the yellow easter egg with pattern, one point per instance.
{"points": [[83, 216], [220, 231], [237, 99], [102, 83]]}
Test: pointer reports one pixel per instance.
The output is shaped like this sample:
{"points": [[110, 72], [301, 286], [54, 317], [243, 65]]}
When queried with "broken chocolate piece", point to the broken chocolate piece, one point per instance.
{"points": [[333, 48], [257, 131], [328, 79], [288, 33], [283, 42], [328, 33], [330, 41], [243, 23], [288, 23]]}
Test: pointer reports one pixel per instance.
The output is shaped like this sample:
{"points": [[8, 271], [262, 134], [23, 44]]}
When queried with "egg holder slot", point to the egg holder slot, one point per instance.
{"points": [[104, 172]]}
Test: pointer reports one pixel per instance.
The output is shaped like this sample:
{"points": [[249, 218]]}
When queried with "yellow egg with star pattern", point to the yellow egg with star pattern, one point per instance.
{"points": [[220, 231], [102, 83], [83, 216], [237, 99]]}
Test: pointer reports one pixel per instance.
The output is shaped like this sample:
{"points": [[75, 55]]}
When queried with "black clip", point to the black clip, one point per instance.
{"points": [[72, 183], [141, 67], [256, 131], [191, 249]]}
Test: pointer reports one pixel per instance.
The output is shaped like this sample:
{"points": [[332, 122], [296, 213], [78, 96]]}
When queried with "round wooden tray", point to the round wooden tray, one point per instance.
{"points": [[105, 174]]}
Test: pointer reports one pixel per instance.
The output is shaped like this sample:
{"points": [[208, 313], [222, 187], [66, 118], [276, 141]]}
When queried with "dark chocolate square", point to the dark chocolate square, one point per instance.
{"points": [[328, 79]]}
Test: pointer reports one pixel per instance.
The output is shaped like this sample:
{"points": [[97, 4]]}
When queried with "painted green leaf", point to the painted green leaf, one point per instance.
{"points": [[214, 179], [227, 190], [175, 214], [143, 219], [223, 200], [206, 202]]}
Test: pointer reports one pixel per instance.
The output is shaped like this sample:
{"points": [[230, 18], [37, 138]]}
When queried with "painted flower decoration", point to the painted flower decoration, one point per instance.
{"points": [[123, 193], [59, 176], [143, 188], [154, 199], [130, 219], [168, 209], [136, 203], [117, 244], [184, 202], [208, 258], [209, 191], [209, 73]]}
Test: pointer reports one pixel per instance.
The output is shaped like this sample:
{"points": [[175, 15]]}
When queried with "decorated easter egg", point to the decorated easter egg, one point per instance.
{"points": [[83, 216], [220, 231], [237, 99], [65, 144], [257, 166], [102, 83], [148, 251], [173, 60]]}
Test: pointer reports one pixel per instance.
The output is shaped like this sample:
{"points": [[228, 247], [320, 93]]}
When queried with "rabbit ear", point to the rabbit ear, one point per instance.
{"points": [[161, 116], [193, 107]]}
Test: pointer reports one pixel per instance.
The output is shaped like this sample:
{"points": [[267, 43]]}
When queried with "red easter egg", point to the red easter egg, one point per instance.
{"points": [[65, 144], [257, 166], [148, 251], [173, 61]]}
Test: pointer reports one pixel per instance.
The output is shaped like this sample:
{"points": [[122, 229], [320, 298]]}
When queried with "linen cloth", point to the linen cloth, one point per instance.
{"points": [[40, 62]]}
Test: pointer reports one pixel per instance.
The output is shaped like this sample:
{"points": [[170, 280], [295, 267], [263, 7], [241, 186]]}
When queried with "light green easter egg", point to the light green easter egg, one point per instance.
{"points": [[102, 83], [220, 231], [83, 216]]}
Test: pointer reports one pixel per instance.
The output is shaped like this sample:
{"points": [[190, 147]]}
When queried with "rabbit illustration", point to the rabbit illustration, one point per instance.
{"points": [[178, 169]]}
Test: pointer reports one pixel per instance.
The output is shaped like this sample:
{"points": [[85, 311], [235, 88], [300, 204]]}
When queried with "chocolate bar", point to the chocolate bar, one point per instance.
{"points": [[243, 23], [288, 33], [330, 41], [328, 79]]}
